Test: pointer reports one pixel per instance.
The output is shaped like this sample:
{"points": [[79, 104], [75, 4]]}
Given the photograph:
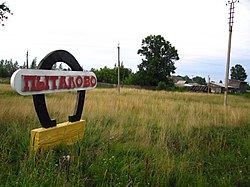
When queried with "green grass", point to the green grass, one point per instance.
{"points": [[140, 138], [4, 80]]}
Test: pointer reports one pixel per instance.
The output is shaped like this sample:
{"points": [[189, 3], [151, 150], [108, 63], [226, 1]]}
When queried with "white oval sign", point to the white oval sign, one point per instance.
{"points": [[34, 81]]}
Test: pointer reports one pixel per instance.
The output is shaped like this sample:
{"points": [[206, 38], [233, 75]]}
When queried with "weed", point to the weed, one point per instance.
{"points": [[137, 138]]}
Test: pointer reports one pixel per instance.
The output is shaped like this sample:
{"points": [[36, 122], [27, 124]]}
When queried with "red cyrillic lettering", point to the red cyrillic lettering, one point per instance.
{"points": [[46, 86], [86, 81], [93, 81], [54, 78], [79, 81], [71, 83], [39, 84], [26, 82], [63, 84]]}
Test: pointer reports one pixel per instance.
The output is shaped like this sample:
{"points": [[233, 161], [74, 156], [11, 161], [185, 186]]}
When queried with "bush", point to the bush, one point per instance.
{"points": [[248, 86], [161, 86]]}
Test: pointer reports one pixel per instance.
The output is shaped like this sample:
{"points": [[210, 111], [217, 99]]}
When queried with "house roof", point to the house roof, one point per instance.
{"points": [[231, 84], [236, 83], [215, 84], [181, 82]]}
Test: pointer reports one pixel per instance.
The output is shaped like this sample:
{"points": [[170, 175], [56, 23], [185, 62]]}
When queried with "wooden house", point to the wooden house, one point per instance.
{"points": [[238, 86], [234, 86]]}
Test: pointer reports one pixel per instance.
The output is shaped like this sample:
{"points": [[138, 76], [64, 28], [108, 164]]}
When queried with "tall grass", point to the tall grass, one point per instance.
{"points": [[137, 138]]}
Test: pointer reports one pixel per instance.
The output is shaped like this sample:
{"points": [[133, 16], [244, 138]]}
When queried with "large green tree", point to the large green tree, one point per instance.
{"points": [[4, 11], [238, 73], [158, 61]]}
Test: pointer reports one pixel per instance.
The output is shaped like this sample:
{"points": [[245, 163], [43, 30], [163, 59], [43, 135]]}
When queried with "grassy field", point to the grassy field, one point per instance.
{"points": [[137, 138]]}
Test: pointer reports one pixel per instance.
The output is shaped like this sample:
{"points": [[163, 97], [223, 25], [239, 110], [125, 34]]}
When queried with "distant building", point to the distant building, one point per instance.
{"points": [[181, 83], [194, 87], [177, 78], [238, 86], [198, 88], [216, 87], [234, 86]]}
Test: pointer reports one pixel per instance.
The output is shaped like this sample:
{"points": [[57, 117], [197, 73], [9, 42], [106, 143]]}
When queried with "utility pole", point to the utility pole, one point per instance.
{"points": [[27, 59], [208, 85], [231, 21], [118, 69]]}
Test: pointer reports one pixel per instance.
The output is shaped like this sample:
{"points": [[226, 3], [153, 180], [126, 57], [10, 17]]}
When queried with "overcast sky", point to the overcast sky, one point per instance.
{"points": [[91, 30]]}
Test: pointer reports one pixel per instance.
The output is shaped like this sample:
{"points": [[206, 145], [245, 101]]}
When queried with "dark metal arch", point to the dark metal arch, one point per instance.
{"points": [[39, 100]]}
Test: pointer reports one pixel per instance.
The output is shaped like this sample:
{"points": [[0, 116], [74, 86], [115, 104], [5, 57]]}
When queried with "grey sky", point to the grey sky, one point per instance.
{"points": [[91, 30]]}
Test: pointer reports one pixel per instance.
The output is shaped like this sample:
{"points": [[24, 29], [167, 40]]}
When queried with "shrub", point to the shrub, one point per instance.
{"points": [[161, 86]]}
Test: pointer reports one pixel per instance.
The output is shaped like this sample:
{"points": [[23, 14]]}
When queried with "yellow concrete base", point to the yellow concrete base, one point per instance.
{"points": [[63, 133]]}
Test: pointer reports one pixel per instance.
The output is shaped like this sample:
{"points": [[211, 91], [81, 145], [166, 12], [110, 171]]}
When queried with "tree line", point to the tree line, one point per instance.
{"points": [[156, 67], [8, 67]]}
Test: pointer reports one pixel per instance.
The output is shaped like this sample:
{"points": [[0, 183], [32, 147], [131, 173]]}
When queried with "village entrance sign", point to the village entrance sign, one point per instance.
{"points": [[38, 82]]}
